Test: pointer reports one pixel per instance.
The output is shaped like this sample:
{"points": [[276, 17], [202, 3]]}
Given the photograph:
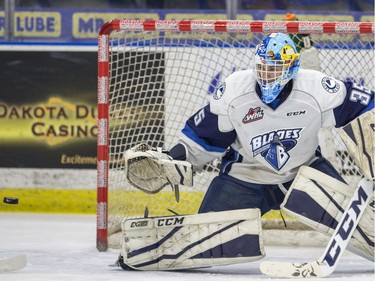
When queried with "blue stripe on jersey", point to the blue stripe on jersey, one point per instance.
{"points": [[203, 128], [368, 107], [189, 132], [357, 101]]}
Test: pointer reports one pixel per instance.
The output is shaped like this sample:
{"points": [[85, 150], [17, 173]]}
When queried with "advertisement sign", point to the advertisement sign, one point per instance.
{"points": [[48, 109]]}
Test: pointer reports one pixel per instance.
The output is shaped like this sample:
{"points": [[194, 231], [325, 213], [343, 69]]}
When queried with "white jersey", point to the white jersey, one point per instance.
{"points": [[260, 144]]}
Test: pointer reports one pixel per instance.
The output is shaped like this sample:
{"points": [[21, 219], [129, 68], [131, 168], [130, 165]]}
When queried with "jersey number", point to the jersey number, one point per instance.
{"points": [[360, 94], [198, 118]]}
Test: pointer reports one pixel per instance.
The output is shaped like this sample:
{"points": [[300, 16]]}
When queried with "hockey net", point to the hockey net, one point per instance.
{"points": [[153, 75]]}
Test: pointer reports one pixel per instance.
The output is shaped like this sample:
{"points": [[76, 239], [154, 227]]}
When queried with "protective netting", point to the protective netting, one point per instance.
{"points": [[159, 79]]}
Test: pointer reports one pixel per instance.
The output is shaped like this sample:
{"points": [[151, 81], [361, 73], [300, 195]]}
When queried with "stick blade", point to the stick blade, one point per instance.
{"points": [[291, 270], [13, 263]]}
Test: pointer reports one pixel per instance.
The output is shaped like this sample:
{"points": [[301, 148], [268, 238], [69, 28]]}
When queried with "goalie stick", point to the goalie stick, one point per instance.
{"points": [[13, 263], [327, 263]]}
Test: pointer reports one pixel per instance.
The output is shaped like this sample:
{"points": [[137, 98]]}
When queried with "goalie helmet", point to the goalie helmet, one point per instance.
{"points": [[276, 62]]}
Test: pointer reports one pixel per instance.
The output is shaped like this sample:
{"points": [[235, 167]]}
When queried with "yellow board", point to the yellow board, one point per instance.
{"points": [[84, 201], [49, 200]]}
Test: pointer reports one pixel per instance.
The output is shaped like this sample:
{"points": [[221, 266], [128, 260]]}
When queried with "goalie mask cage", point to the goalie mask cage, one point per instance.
{"points": [[153, 75]]}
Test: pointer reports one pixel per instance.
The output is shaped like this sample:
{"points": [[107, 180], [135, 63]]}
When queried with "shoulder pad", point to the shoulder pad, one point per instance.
{"points": [[236, 85], [327, 91]]}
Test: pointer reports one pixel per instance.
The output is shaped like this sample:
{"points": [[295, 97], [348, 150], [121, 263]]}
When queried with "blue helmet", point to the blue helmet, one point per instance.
{"points": [[276, 62]]}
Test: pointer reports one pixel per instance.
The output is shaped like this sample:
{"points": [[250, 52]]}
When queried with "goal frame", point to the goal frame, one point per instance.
{"points": [[220, 26]]}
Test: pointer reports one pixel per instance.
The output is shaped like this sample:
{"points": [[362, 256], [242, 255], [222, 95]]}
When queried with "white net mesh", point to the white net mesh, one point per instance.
{"points": [[159, 79]]}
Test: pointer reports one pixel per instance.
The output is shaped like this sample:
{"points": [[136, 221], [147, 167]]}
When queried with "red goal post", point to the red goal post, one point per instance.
{"points": [[236, 26], [153, 74]]}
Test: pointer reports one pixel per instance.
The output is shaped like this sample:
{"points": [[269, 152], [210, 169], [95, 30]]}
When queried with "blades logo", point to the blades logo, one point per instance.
{"points": [[254, 114], [276, 155], [274, 146]]}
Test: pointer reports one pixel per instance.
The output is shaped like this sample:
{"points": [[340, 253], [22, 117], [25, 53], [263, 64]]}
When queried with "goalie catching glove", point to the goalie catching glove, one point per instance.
{"points": [[150, 170]]}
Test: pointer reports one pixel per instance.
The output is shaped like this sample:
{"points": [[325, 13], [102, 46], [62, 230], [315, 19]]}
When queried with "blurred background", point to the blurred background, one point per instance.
{"points": [[70, 21], [48, 82], [337, 5]]}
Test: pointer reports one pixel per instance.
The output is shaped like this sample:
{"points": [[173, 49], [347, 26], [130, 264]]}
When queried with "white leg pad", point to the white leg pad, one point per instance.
{"points": [[319, 201], [192, 241]]}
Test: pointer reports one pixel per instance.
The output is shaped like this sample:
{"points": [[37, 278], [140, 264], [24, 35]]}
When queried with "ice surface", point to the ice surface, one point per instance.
{"points": [[62, 247]]}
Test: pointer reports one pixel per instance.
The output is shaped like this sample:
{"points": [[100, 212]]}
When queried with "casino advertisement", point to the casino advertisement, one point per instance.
{"points": [[48, 109]]}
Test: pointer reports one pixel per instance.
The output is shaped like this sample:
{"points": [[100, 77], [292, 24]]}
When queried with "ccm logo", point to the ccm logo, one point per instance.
{"points": [[139, 223], [346, 226], [170, 221], [296, 113]]}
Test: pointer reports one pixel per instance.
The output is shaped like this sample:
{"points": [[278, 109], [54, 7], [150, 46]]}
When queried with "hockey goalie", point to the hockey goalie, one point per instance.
{"points": [[263, 124]]}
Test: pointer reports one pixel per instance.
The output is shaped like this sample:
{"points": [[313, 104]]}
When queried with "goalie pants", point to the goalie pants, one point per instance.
{"points": [[228, 193]]}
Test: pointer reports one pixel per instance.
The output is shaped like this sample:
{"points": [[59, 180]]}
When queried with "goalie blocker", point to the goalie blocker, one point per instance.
{"points": [[191, 241]]}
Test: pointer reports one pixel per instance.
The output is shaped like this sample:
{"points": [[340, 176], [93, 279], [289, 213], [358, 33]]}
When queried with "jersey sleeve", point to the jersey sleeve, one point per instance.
{"points": [[203, 139], [358, 99], [340, 102], [209, 133]]}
